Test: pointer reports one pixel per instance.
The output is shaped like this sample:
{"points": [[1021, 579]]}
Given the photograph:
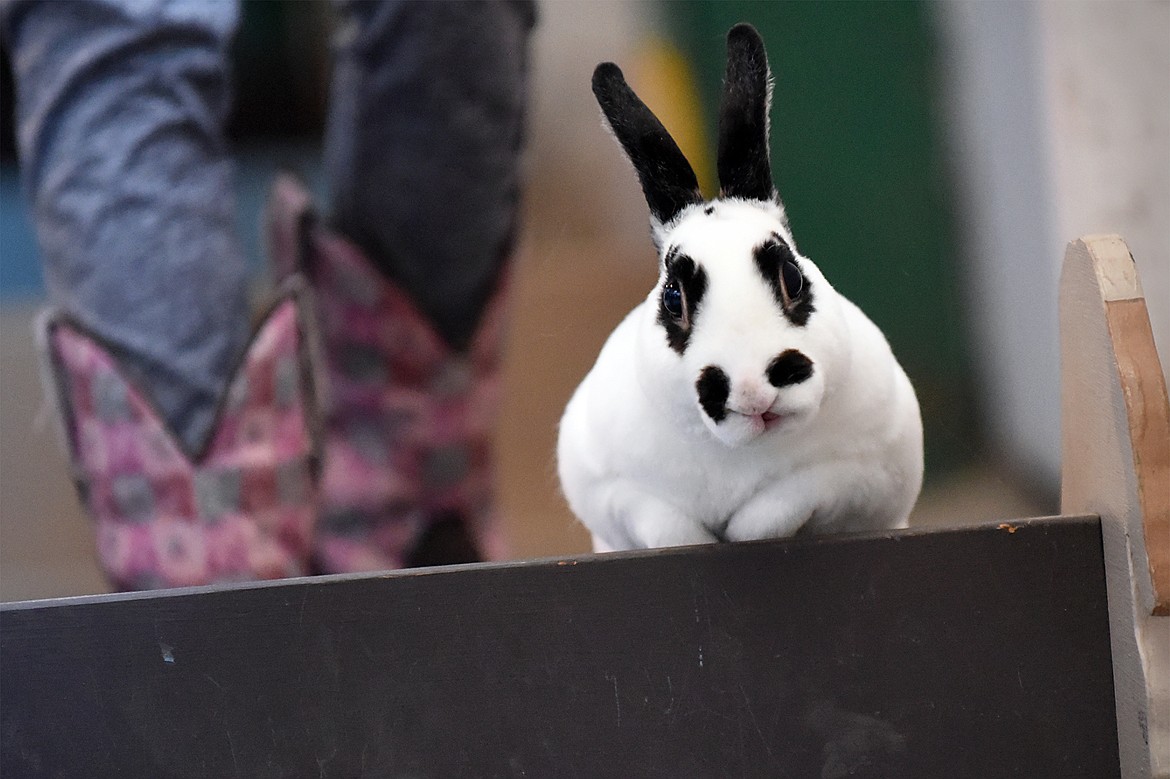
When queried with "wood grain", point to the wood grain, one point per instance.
{"points": [[1148, 411]]}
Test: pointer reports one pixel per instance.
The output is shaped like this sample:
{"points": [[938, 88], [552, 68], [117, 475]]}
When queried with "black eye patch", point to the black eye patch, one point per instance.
{"points": [[778, 265], [678, 305]]}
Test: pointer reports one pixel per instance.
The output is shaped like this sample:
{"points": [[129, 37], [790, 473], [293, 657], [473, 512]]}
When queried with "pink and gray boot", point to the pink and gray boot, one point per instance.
{"points": [[408, 477], [241, 508]]}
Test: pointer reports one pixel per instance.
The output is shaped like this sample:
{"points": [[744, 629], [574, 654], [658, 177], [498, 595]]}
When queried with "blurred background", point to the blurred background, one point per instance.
{"points": [[935, 158]]}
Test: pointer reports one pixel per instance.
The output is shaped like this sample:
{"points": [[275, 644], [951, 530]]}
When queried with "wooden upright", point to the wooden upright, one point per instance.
{"points": [[1116, 464]]}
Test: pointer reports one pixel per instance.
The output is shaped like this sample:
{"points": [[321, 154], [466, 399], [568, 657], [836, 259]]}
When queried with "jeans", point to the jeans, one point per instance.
{"points": [[121, 107]]}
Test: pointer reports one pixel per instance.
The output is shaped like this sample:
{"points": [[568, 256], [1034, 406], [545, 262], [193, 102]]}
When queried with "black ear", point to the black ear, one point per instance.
{"points": [[744, 167], [667, 179]]}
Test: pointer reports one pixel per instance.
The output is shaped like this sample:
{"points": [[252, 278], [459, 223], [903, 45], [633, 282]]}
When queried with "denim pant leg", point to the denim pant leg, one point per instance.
{"points": [[120, 109], [423, 144]]}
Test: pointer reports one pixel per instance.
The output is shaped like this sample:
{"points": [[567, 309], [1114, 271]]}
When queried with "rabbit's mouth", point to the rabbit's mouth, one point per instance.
{"points": [[737, 428], [759, 423], [771, 419]]}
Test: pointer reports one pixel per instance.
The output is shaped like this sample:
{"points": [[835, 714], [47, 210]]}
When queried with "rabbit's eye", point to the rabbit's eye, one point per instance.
{"points": [[672, 299], [792, 280]]}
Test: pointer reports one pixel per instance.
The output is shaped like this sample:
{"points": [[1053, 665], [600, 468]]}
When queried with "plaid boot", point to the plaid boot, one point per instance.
{"points": [[408, 475], [242, 507]]}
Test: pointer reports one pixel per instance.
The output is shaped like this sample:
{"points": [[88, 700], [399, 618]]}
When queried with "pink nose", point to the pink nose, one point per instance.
{"points": [[753, 397]]}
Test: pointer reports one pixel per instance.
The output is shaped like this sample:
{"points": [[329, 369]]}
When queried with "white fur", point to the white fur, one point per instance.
{"points": [[642, 466]]}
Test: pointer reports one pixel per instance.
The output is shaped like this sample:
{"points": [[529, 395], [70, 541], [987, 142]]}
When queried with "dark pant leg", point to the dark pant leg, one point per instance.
{"points": [[423, 145], [120, 110]]}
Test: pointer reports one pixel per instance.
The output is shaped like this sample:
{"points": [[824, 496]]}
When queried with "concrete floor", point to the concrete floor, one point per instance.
{"points": [[569, 295]]}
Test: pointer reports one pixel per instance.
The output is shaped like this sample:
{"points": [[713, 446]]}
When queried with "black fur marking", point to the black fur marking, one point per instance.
{"points": [[709, 210], [743, 162], [667, 179], [671, 254], [714, 388], [790, 367], [692, 281], [771, 257]]}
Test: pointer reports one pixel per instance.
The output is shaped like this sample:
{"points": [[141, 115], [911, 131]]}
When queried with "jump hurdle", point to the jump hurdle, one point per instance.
{"points": [[1029, 648]]}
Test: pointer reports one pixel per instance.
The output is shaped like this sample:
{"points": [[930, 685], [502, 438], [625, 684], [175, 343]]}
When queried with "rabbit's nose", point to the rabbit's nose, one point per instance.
{"points": [[752, 397]]}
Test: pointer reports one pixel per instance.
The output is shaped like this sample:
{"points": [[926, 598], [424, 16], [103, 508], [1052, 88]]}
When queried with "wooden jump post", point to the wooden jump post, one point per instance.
{"points": [[1116, 464], [1025, 648]]}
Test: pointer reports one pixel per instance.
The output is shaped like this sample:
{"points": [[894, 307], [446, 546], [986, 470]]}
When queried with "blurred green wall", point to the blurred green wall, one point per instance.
{"points": [[857, 158]]}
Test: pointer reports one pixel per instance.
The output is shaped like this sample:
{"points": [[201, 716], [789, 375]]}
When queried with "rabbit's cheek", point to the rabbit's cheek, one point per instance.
{"points": [[798, 404]]}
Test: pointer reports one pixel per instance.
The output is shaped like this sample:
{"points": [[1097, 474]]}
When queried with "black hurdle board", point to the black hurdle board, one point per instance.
{"points": [[977, 652]]}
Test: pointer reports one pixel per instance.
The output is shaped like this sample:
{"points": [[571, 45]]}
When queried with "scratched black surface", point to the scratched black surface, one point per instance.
{"points": [[970, 653]]}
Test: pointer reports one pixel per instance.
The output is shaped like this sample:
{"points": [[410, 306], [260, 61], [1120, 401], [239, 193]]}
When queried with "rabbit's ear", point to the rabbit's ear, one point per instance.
{"points": [[744, 167], [668, 181]]}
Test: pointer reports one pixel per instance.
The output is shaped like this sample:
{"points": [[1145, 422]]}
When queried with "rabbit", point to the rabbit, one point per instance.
{"points": [[744, 398]]}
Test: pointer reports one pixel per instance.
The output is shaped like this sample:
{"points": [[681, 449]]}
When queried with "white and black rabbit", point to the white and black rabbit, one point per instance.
{"points": [[745, 397]]}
